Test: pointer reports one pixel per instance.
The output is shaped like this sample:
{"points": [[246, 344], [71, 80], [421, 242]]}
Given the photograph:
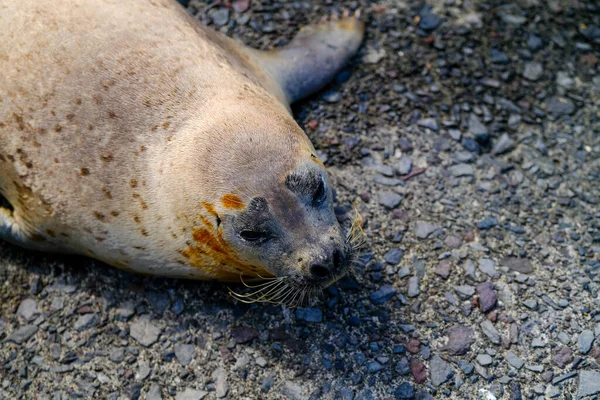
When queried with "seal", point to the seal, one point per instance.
{"points": [[132, 134]]}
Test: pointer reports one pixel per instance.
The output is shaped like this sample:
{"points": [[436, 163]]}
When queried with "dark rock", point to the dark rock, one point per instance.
{"points": [[521, 265], [585, 341], [22, 334], [533, 71], [404, 391], [429, 21], [564, 357], [424, 229], [384, 294], [487, 223], [443, 269], [245, 334], [86, 321], [558, 106], [440, 371], [419, 373], [429, 123], [403, 367], [534, 43], [466, 367], [460, 339], [471, 145], [394, 256], [487, 296], [309, 315], [498, 57]]}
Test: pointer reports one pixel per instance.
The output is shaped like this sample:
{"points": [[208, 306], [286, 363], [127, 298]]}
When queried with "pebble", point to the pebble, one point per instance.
{"points": [[389, 200], [465, 291], [404, 272], [144, 331], [558, 106], [453, 242], [374, 367], [488, 267], [22, 334], [311, 315], [28, 310], [383, 295], [86, 321], [413, 286], [424, 229], [564, 357], [586, 339], [487, 223], [143, 371], [404, 165], [429, 21], [484, 359], [466, 367], [394, 256], [440, 371], [268, 381], [534, 43], [589, 384], [503, 145], [419, 373], [404, 391], [533, 71], [154, 392], [220, 16], [221, 383], [429, 123], [476, 127], [498, 57], [487, 296], [244, 334], [521, 265], [185, 353], [514, 360], [443, 269], [489, 330], [117, 355], [191, 394], [460, 170]]}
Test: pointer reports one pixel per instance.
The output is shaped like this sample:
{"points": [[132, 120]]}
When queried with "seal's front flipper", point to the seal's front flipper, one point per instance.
{"points": [[315, 55], [11, 231]]}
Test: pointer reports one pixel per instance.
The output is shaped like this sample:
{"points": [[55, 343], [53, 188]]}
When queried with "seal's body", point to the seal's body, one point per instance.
{"points": [[132, 134]]}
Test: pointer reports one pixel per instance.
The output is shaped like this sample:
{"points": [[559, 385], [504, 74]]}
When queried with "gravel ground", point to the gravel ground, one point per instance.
{"points": [[469, 132]]}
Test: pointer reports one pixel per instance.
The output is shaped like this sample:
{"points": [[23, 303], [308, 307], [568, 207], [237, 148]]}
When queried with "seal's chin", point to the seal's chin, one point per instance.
{"points": [[295, 290]]}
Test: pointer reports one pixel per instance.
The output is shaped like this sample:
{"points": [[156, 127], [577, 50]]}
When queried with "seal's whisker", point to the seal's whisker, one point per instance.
{"points": [[272, 288], [260, 284]]}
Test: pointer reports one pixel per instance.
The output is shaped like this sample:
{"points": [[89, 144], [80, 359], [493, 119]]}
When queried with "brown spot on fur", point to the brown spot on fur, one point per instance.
{"points": [[142, 202], [174, 235], [107, 193], [50, 233], [107, 158], [37, 237], [137, 219], [143, 232], [206, 222], [19, 121], [232, 201], [57, 128], [85, 171], [210, 209], [78, 101], [2, 158], [114, 213], [99, 239], [139, 247], [90, 127], [133, 183], [166, 124], [70, 117], [99, 216], [112, 115]]}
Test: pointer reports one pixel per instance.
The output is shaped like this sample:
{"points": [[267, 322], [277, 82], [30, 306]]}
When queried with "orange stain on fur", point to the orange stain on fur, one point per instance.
{"points": [[232, 201]]}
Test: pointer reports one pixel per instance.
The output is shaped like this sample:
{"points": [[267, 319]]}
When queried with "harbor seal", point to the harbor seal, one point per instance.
{"points": [[132, 134]]}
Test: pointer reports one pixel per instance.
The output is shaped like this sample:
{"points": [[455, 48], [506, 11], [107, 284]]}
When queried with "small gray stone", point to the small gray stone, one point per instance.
{"points": [[86, 321], [469, 267], [564, 338], [532, 304], [383, 295], [221, 383], [563, 357], [476, 127], [443, 269], [552, 392], [440, 371], [563, 79], [117, 355], [143, 371], [586, 339], [453, 242], [429, 123], [460, 170], [424, 229], [490, 331], [312, 315], [465, 291], [589, 384], [558, 106], [261, 362], [404, 272], [484, 359], [154, 392], [514, 360], [538, 342], [28, 310], [413, 287], [460, 339], [488, 267], [389, 200], [503, 145], [404, 165], [144, 332], [394, 256], [125, 311], [292, 390], [191, 394], [22, 334], [521, 265], [533, 71], [220, 16], [185, 353]]}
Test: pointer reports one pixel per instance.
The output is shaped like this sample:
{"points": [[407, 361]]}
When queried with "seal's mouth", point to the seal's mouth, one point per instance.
{"points": [[294, 291]]}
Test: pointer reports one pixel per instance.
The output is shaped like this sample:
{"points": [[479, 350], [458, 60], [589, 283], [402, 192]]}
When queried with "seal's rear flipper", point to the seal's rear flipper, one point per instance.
{"points": [[315, 55]]}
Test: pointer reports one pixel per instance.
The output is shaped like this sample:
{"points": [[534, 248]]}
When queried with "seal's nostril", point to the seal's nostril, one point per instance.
{"points": [[338, 259], [319, 271]]}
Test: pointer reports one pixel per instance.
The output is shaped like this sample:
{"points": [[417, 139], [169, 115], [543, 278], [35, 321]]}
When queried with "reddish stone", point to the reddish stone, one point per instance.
{"points": [[418, 371], [413, 346], [313, 124]]}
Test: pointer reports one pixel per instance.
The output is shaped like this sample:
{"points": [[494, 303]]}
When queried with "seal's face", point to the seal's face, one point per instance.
{"points": [[292, 231]]}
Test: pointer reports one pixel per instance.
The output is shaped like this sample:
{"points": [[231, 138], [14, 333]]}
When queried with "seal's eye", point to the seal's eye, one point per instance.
{"points": [[320, 194], [253, 236]]}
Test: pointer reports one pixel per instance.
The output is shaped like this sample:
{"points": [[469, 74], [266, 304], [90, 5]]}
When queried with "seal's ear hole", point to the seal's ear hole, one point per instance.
{"points": [[218, 221]]}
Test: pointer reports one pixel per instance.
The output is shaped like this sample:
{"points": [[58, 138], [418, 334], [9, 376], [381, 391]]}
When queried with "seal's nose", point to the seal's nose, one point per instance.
{"points": [[333, 264]]}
